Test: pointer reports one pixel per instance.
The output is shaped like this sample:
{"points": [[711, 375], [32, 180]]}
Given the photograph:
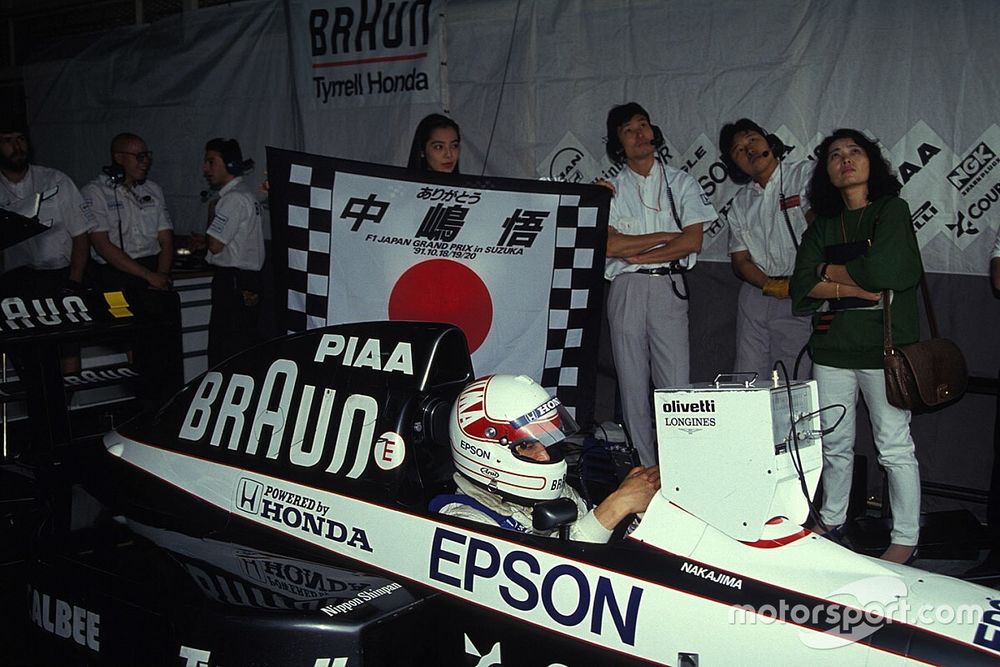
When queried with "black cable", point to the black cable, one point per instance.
{"points": [[628, 438], [794, 444], [797, 461], [677, 221], [581, 467], [503, 84], [781, 203], [685, 295], [798, 360], [793, 449], [670, 198], [118, 210]]}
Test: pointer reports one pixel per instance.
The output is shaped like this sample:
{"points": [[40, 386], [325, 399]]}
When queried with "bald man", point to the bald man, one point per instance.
{"points": [[134, 238]]}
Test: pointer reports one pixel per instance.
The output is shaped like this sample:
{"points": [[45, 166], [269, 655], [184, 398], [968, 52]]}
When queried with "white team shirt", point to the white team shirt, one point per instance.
{"points": [[641, 205], [757, 224], [64, 213], [237, 223], [996, 247], [141, 210]]}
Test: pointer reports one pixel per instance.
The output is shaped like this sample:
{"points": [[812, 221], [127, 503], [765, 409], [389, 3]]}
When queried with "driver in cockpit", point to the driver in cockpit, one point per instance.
{"points": [[505, 432]]}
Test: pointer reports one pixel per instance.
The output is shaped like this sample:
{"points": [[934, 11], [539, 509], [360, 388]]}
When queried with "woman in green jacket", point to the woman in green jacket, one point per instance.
{"points": [[862, 242]]}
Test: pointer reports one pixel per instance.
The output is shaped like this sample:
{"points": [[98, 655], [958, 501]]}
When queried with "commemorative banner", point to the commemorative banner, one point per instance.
{"points": [[516, 264], [364, 53]]}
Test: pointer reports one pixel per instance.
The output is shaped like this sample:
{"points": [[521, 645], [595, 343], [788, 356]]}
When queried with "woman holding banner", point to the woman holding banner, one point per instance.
{"points": [[437, 144]]}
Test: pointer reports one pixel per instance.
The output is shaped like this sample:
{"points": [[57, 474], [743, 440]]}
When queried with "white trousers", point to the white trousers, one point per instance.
{"points": [[891, 431], [649, 340]]}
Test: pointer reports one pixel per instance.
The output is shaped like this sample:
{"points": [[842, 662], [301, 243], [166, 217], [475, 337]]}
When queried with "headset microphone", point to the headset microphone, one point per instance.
{"points": [[115, 174], [658, 139], [765, 153]]}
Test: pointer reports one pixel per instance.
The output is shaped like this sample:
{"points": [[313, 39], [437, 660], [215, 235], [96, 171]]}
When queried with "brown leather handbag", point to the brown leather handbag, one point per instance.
{"points": [[925, 375]]}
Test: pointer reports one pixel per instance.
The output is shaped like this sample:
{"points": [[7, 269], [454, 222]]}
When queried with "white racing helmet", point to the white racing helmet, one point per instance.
{"points": [[495, 414]]}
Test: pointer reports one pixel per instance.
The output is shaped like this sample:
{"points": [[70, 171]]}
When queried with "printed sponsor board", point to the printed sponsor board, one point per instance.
{"points": [[976, 179], [955, 195], [569, 162], [701, 161], [922, 160], [352, 53]]}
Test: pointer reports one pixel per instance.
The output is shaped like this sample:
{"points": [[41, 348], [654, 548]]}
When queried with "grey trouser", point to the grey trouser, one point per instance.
{"points": [[766, 331], [649, 339]]}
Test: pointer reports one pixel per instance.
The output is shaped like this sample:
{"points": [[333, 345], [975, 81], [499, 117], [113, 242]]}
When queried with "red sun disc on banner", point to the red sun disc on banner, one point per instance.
{"points": [[440, 290]]}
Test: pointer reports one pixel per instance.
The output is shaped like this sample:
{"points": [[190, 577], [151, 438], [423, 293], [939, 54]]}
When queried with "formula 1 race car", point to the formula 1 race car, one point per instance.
{"points": [[274, 512]]}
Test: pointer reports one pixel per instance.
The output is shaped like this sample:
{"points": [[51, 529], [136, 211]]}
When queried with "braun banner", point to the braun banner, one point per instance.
{"points": [[355, 53]]}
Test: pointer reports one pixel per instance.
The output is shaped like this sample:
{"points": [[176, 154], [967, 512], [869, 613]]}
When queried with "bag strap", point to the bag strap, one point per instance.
{"points": [[887, 307], [928, 307], [886, 324], [926, 294]]}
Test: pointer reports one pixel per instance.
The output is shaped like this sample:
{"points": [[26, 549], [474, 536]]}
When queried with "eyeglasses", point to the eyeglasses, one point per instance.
{"points": [[144, 156]]}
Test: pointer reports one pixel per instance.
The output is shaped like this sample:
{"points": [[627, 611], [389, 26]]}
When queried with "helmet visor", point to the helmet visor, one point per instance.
{"points": [[548, 424]]}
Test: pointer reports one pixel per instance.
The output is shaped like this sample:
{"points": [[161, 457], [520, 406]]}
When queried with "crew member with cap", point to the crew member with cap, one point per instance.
{"points": [[654, 236], [235, 240], [505, 432], [768, 216]]}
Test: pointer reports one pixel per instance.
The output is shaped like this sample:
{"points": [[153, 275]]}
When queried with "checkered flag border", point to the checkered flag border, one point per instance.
{"points": [[310, 219], [574, 301], [574, 308]]}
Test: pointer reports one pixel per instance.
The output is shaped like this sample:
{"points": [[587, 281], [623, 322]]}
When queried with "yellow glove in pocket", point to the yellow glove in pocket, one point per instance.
{"points": [[776, 287]]}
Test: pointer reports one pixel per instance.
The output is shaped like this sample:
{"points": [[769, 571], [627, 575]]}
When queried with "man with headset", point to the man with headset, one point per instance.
{"points": [[654, 235], [235, 240], [134, 237], [767, 219], [133, 240]]}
